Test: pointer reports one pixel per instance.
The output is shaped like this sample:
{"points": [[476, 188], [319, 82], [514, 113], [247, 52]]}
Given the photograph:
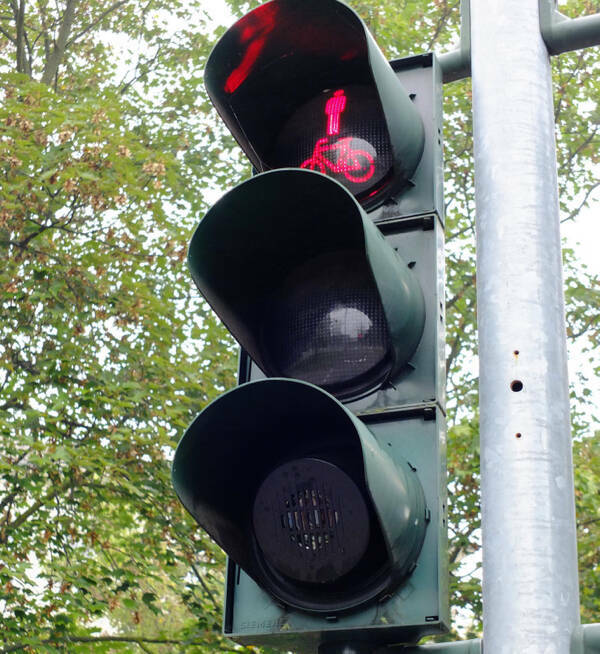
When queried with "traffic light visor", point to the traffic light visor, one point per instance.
{"points": [[299, 493], [303, 83], [306, 283]]}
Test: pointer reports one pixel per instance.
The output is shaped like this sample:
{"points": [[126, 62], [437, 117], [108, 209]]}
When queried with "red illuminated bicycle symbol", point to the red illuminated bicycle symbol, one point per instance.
{"points": [[356, 165]]}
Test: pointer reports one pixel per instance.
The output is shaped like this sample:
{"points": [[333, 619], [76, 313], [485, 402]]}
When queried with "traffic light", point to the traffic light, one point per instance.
{"points": [[322, 475], [303, 83], [313, 509], [307, 284]]}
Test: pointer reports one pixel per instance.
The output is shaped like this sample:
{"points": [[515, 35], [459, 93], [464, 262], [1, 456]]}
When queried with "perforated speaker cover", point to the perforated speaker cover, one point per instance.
{"points": [[311, 521]]}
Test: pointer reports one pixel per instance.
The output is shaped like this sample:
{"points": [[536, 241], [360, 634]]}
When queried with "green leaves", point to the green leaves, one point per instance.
{"points": [[97, 376]]}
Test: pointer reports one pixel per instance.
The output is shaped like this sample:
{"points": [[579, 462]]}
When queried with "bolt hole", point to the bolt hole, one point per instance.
{"points": [[516, 385], [516, 353], [518, 434]]}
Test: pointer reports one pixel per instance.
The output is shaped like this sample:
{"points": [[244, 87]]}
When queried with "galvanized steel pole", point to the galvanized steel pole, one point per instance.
{"points": [[530, 586]]}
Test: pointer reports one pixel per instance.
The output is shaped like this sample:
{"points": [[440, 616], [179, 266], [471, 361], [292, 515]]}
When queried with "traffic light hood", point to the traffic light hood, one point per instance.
{"points": [[307, 284], [268, 70], [282, 460]]}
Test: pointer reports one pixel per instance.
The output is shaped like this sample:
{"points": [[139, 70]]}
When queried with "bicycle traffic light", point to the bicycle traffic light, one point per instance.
{"points": [[322, 475], [303, 83]]}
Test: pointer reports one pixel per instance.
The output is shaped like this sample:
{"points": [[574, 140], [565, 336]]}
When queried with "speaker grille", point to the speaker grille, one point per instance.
{"points": [[311, 521]]}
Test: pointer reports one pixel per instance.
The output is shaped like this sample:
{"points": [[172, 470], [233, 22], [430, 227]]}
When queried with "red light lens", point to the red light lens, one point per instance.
{"points": [[341, 133]]}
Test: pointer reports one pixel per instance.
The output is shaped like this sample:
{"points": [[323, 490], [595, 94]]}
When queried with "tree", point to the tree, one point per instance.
{"points": [[105, 349], [108, 149]]}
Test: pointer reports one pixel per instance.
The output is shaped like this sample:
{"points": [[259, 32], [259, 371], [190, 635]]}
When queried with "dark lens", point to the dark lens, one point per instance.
{"points": [[327, 325], [311, 521]]}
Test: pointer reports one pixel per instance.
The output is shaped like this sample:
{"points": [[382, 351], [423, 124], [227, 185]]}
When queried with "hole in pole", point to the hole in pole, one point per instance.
{"points": [[518, 434], [516, 385]]}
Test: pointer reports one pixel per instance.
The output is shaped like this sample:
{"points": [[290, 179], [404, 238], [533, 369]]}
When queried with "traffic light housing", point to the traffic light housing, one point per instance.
{"points": [[318, 514], [315, 294], [323, 474], [303, 83]]}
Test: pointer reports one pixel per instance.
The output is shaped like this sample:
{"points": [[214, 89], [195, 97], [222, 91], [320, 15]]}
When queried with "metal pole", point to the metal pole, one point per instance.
{"points": [[458, 647], [457, 64], [562, 34], [530, 587]]}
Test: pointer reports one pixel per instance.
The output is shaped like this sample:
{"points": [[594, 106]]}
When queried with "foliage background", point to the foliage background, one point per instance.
{"points": [[109, 154]]}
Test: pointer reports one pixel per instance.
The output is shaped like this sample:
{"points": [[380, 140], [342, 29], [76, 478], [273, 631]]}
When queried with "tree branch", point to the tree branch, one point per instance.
{"points": [[22, 517], [8, 36], [590, 322], [468, 280], [441, 23], [135, 78], [8, 499], [93, 24], [574, 213], [589, 521], [206, 588], [563, 86], [19, 14], [12, 404], [45, 30], [456, 344], [455, 552], [58, 52]]}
